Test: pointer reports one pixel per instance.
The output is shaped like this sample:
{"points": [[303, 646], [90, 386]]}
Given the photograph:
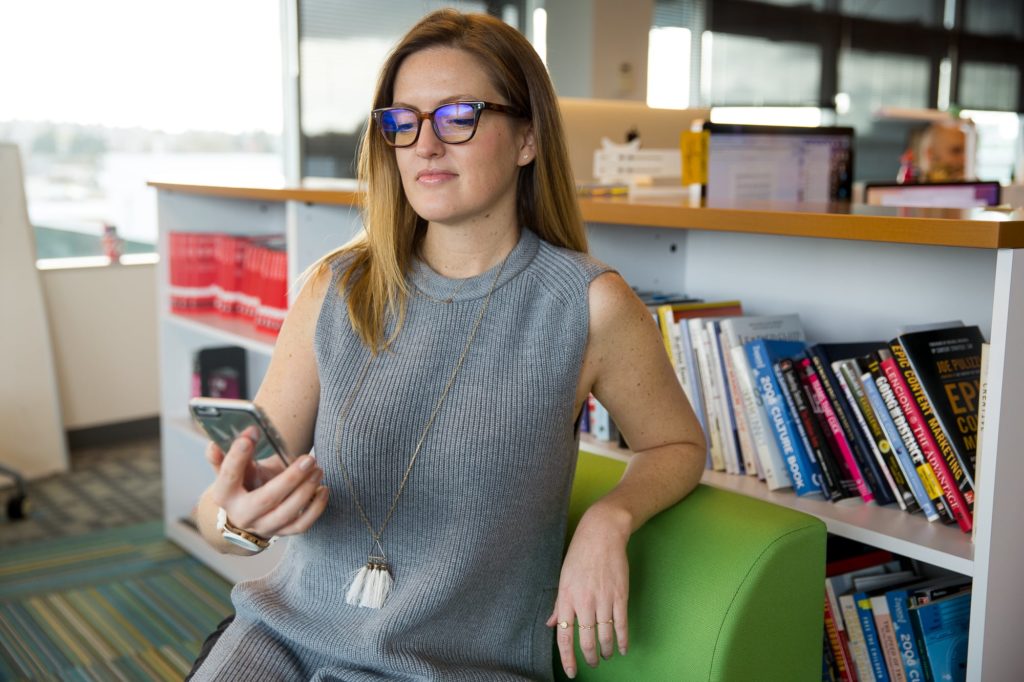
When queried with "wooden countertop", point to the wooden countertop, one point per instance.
{"points": [[977, 227]]}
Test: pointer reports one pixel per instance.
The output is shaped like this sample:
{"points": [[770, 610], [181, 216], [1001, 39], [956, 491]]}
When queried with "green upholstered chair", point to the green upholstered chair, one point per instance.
{"points": [[723, 587]]}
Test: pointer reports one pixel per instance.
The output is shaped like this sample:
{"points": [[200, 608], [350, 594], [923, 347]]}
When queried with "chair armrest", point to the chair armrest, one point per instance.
{"points": [[722, 587]]}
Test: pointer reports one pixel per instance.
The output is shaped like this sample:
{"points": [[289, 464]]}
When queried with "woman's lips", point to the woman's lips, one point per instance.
{"points": [[433, 176]]}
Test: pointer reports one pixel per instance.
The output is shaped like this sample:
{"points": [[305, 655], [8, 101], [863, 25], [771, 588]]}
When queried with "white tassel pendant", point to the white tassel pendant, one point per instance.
{"points": [[371, 585]]}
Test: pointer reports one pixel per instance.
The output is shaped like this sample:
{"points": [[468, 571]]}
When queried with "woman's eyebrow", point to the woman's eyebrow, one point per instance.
{"points": [[444, 100]]}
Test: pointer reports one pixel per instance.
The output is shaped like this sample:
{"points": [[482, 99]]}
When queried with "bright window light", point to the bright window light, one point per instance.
{"points": [[540, 33], [804, 117], [668, 68], [997, 143]]}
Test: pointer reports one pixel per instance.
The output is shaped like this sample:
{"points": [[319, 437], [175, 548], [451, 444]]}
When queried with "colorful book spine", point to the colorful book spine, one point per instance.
{"points": [[943, 627], [837, 644], [834, 434], [950, 492], [760, 435], [760, 353], [899, 604], [903, 458], [876, 434], [855, 633], [887, 638], [860, 450], [798, 451], [867, 623], [809, 431], [713, 427], [934, 432], [848, 390], [921, 466]]}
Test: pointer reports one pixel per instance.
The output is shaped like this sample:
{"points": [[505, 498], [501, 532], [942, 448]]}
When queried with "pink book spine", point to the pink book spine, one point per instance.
{"points": [[838, 438]]}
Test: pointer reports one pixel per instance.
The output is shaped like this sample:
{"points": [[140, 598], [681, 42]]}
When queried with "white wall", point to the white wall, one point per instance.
{"points": [[103, 322]]}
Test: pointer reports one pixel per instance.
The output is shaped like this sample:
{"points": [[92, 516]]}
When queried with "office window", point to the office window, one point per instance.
{"points": [[102, 96], [989, 86], [995, 17], [342, 45], [687, 18], [998, 135], [869, 81], [757, 71], [927, 12]]}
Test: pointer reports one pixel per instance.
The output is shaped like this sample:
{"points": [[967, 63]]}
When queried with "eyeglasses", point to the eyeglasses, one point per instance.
{"points": [[453, 123]]}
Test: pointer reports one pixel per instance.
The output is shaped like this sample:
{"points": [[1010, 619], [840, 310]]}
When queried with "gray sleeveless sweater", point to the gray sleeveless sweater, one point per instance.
{"points": [[476, 540]]}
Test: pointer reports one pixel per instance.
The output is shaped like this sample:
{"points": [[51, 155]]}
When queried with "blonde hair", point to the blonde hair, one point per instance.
{"points": [[546, 202]]}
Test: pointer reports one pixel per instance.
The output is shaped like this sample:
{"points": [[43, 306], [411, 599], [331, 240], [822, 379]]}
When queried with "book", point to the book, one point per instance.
{"points": [[835, 638], [986, 349], [831, 428], [675, 335], [797, 469], [887, 638], [712, 427], [948, 365], [823, 355], [942, 626], [865, 614], [932, 430], [810, 433], [924, 470], [853, 393], [737, 331], [850, 379], [221, 372], [903, 458], [723, 396], [763, 443], [908, 394], [898, 601]]}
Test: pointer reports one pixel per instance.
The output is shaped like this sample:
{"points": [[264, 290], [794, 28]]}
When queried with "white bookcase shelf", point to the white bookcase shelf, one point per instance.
{"points": [[852, 273]]}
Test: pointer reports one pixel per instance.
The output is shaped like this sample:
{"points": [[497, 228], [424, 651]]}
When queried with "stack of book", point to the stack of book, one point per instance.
{"points": [[887, 422], [885, 623], [237, 276]]}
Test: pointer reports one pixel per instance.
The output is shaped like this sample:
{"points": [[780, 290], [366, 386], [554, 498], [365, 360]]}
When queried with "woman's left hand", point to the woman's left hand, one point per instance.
{"points": [[593, 589]]}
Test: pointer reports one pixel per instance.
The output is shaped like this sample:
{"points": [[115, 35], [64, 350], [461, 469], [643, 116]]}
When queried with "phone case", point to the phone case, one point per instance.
{"points": [[223, 419]]}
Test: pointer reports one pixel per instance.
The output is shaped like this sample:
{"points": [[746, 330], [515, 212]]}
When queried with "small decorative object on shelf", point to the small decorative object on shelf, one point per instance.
{"points": [[111, 243]]}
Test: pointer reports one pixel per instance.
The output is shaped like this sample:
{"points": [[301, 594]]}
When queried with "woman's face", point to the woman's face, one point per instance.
{"points": [[468, 184]]}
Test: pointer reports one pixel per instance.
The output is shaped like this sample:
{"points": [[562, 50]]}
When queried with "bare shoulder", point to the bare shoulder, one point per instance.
{"points": [[614, 307]]}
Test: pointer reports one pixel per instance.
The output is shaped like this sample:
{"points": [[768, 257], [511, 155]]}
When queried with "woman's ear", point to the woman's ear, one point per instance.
{"points": [[527, 150]]}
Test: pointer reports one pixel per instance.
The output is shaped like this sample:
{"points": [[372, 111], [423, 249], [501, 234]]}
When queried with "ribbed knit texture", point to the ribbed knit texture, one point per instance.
{"points": [[476, 540]]}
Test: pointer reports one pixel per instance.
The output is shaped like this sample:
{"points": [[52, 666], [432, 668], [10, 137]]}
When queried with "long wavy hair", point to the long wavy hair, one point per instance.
{"points": [[379, 257]]}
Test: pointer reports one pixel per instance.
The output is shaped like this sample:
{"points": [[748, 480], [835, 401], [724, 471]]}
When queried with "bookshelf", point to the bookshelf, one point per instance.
{"points": [[852, 273]]}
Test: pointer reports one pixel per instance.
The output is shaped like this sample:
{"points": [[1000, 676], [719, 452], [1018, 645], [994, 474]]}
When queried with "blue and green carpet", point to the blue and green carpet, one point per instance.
{"points": [[118, 604]]}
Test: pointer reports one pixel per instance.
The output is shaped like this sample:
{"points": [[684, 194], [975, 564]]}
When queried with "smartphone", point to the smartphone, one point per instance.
{"points": [[224, 419]]}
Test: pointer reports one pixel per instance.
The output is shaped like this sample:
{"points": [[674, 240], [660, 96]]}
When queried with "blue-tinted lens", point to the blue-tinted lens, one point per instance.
{"points": [[455, 122], [399, 126]]}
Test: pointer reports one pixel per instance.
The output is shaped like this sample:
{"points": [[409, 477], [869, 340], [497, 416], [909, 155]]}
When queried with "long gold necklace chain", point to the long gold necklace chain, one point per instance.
{"points": [[372, 583]]}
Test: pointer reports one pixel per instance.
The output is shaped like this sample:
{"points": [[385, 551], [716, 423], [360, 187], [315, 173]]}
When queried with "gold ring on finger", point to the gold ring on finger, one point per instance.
{"points": [[606, 622], [585, 627], [562, 624]]}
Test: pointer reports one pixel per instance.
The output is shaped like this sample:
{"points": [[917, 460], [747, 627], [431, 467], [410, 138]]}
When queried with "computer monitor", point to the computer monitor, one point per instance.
{"points": [[934, 194], [779, 163], [587, 121]]}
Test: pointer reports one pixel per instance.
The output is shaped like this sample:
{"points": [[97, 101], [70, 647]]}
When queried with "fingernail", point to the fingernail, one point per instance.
{"points": [[622, 651], [306, 463], [246, 445], [571, 673]]}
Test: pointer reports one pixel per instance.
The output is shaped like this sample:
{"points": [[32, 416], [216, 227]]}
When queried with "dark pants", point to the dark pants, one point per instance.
{"points": [[208, 645]]}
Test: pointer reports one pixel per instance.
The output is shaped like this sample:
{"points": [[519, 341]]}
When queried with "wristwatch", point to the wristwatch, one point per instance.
{"points": [[237, 536]]}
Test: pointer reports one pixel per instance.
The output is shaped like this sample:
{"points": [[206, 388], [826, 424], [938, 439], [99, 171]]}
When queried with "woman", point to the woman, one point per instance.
{"points": [[438, 365]]}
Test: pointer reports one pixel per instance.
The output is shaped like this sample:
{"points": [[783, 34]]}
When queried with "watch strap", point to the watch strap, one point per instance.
{"points": [[239, 536]]}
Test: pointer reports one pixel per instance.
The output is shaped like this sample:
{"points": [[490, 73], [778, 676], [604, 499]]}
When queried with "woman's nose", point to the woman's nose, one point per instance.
{"points": [[428, 146]]}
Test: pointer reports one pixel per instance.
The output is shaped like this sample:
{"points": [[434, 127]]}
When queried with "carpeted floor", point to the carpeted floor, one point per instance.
{"points": [[116, 604], [107, 487], [89, 587]]}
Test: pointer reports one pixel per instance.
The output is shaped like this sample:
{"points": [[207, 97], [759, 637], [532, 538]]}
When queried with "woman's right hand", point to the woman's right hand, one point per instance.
{"points": [[265, 497]]}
